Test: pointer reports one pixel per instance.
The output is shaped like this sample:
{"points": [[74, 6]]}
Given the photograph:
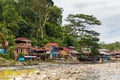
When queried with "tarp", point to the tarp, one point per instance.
{"points": [[104, 53], [76, 52], [21, 59], [53, 53], [66, 49], [2, 51]]}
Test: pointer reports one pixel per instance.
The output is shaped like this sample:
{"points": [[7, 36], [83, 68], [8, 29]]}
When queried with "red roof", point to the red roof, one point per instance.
{"points": [[19, 46], [22, 39], [66, 49], [46, 48]]}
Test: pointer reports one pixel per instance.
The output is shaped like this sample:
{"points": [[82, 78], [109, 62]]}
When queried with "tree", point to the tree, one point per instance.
{"points": [[110, 46], [11, 17], [53, 24], [41, 9], [80, 23], [79, 26], [1, 36], [57, 13], [10, 51]]}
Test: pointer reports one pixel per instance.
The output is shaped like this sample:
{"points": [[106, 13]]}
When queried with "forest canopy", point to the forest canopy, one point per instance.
{"points": [[41, 21]]}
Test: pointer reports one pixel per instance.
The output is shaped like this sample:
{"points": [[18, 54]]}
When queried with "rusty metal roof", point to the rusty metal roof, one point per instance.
{"points": [[22, 39], [52, 44]]}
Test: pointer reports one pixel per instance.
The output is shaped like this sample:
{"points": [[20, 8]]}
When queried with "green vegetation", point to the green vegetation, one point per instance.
{"points": [[41, 21], [9, 74], [10, 51], [83, 57], [79, 26], [21, 54], [6, 56], [111, 46]]}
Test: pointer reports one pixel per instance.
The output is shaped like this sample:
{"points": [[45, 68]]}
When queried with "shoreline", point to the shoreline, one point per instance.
{"points": [[32, 66]]}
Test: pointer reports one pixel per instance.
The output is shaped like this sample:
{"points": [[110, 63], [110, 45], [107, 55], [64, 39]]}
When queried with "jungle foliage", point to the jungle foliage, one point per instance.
{"points": [[41, 21], [110, 46]]}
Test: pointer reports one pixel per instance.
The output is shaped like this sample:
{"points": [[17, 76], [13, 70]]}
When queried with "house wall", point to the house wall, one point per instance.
{"points": [[22, 46], [17, 51], [27, 44], [24, 50]]}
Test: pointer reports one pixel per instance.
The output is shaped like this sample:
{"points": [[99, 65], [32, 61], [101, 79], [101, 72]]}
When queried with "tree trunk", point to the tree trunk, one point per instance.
{"points": [[42, 26], [42, 32]]}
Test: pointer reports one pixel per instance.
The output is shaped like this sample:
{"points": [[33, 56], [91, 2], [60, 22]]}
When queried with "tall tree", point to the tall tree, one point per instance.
{"points": [[41, 8], [80, 23], [57, 13], [10, 16], [53, 24]]}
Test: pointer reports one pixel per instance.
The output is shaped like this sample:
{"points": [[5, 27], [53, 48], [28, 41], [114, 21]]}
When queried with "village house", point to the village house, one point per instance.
{"points": [[54, 49], [3, 46], [40, 53], [50, 50], [22, 45], [30, 53]]}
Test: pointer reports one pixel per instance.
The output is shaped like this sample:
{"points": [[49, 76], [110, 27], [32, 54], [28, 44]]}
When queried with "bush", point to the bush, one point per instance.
{"points": [[6, 56], [83, 58], [10, 51], [21, 54]]}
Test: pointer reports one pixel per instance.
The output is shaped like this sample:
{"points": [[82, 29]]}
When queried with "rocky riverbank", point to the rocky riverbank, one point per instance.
{"points": [[106, 71]]}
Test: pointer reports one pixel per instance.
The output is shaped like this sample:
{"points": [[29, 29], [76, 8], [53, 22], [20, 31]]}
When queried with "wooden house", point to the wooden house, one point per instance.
{"points": [[54, 49], [40, 53], [22, 45]]}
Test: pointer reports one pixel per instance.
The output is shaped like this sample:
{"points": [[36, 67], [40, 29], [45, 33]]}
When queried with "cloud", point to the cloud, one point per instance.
{"points": [[107, 11], [101, 8]]}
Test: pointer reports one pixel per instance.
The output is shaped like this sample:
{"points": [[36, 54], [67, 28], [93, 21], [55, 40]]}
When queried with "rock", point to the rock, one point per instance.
{"points": [[107, 71]]}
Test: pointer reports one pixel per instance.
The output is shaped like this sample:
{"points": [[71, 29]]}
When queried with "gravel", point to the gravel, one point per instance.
{"points": [[106, 71]]}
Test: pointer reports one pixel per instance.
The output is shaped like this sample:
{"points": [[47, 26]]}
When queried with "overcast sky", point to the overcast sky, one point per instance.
{"points": [[107, 11]]}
